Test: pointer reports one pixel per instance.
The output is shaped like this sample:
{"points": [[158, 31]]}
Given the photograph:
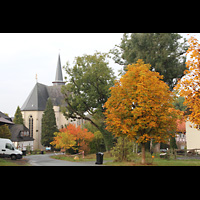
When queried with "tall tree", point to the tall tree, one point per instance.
{"points": [[18, 117], [163, 51], [48, 124], [88, 90], [140, 107]]}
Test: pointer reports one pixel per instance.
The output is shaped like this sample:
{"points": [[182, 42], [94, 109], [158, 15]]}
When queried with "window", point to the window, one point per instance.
{"points": [[9, 146], [31, 125]]}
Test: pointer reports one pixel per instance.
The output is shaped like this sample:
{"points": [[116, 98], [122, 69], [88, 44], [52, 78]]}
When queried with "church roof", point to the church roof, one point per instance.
{"points": [[59, 76], [38, 97]]}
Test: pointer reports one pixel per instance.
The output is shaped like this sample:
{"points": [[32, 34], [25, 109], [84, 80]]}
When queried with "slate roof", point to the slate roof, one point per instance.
{"points": [[38, 97], [59, 76], [15, 133]]}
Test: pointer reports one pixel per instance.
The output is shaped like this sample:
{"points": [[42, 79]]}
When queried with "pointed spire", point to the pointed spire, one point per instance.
{"points": [[59, 76]]}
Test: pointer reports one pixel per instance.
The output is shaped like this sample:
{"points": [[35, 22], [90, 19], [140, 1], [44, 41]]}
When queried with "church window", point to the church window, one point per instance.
{"points": [[31, 125]]}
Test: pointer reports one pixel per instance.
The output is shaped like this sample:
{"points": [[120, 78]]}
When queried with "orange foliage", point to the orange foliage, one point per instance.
{"points": [[81, 137], [189, 85], [140, 106]]}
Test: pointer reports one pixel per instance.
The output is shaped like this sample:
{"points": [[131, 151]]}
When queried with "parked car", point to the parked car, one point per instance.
{"points": [[7, 149]]}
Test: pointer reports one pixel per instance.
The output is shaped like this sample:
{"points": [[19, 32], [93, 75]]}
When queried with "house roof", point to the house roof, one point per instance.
{"points": [[5, 121], [15, 133]]}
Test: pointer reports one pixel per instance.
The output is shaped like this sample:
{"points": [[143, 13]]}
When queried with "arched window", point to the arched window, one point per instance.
{"points": [[31, 125]]}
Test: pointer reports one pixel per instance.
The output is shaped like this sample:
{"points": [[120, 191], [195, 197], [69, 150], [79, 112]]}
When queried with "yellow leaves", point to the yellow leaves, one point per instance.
{"points": [[139, 104], [189, 85]]}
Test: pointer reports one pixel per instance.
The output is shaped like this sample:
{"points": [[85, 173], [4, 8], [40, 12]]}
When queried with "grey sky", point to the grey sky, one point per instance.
{"points": [[22, 55]]}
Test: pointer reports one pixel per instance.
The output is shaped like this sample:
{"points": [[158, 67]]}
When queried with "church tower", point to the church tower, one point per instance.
{"points": [[59, 76]]}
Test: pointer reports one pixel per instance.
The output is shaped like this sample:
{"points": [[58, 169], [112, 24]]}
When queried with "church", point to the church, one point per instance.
{"points": [[35, 104]]}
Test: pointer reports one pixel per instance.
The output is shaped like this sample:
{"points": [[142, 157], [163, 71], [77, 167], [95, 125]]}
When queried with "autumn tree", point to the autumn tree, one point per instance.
{"points": [[189, 86], [64, 140], [73, 136], [140, 106]]}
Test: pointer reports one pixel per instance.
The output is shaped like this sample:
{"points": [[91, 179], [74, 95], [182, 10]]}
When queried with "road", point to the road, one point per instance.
{"points": [[45, 160]]}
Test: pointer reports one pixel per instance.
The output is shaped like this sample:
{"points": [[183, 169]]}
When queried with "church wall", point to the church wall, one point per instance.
{"points": [[37, 123]]}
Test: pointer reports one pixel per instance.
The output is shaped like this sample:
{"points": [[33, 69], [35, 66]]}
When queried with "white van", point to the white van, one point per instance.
{"points": [[7, 149]]}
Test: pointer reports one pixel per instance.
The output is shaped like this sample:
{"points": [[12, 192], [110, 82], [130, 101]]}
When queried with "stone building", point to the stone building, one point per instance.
{"points": [[35, 104]]}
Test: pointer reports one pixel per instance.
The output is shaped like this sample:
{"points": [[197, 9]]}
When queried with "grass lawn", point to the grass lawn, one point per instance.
{"points": [[159, 162], [90, 157], [9, 162], [150, 162]]}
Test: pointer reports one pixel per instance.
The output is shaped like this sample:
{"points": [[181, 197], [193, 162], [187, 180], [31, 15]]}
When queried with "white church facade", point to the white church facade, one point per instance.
{"points": [[35, 104]]}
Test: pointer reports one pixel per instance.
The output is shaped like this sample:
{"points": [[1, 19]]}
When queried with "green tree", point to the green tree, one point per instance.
{"points": [[164, 51], [88, 90], [5, 132], [18, 117], [178, 104], [48, 124]]}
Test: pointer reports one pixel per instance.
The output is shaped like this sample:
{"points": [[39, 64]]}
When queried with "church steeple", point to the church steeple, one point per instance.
{"points": [[59, 76]]}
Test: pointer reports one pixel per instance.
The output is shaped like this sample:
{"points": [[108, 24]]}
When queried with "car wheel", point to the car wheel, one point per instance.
{"points": [[13, 157]]}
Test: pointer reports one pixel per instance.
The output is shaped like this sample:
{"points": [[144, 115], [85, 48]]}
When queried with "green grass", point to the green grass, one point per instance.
{"points": [[136, 160], [4, 162], [9, 162], [159, 162], [90, 157]]}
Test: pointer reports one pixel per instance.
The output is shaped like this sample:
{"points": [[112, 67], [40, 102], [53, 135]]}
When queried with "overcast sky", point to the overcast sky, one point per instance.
{"points": [[23, 55]]}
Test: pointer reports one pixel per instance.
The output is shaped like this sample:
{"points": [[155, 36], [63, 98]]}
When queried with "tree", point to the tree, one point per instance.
{"points": [[64, 140], [48, 124], [179, 104], [81, 136], [164, 51], [18, 116], [189, 86], [73, 137], [5, 132], [88, 90], [140, 107]]}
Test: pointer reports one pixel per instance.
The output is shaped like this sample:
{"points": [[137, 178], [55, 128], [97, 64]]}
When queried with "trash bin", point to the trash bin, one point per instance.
{"points": [[99, 158], [24, 152]]}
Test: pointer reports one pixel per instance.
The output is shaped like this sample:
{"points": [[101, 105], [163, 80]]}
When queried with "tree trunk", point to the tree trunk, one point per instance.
{"points": [[143, 153], [108, 138]]}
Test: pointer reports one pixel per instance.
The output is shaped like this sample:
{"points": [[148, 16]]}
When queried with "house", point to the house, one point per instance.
{"points": [[20, 136], [181, 134], [35, 104], [192, 135]]}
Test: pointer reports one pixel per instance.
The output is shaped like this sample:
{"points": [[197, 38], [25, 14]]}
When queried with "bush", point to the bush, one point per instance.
{"points": [[123, 149]]}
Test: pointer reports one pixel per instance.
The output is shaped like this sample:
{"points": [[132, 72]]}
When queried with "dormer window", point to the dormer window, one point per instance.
{"points": [[24, 133]]}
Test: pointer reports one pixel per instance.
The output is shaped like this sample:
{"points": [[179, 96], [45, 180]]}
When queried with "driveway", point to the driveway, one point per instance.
{"points": [[45, 160]]}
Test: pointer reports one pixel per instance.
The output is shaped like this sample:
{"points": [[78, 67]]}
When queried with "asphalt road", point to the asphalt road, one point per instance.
{"points": [[45, 160]]}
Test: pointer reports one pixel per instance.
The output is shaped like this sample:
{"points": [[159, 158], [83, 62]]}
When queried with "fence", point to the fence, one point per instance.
{"points": [[186, 152]]}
